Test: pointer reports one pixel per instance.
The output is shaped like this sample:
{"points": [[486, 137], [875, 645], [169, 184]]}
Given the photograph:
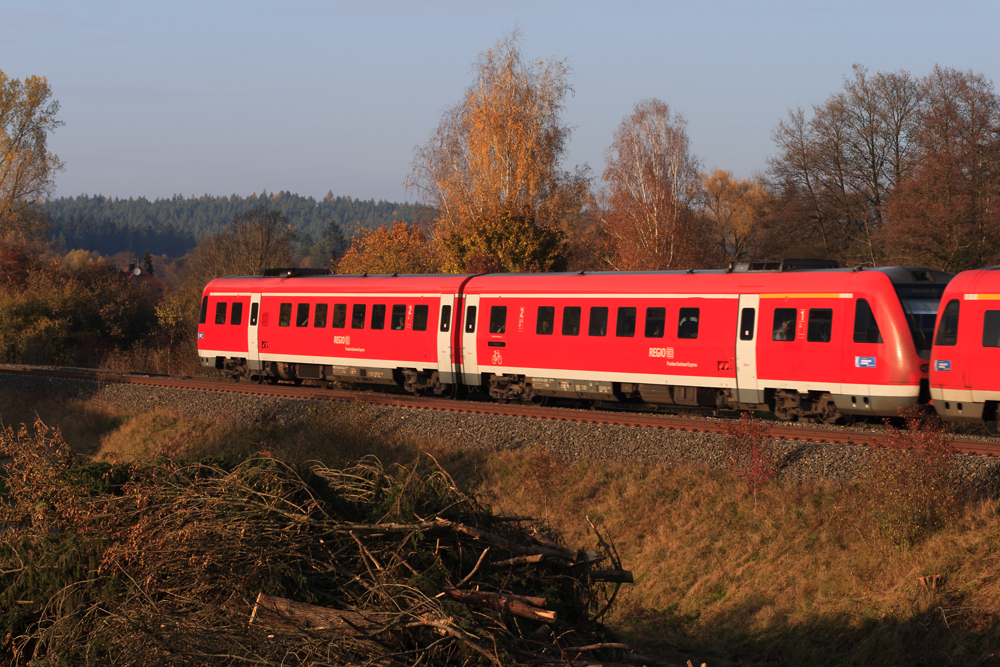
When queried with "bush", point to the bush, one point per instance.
{"points": [[906, 490], [751, 455]]}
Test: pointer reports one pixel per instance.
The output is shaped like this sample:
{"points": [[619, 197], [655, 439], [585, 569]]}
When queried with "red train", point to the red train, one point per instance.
{"points": [[798, 338], [965, 363]]}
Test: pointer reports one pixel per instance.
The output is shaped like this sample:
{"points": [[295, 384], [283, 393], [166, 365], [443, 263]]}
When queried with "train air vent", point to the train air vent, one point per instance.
{"points": [[782, 265]]}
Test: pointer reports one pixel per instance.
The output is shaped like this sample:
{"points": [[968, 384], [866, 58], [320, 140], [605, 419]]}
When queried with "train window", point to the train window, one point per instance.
{"points": [[302, 315], [358, 316], [254, 309], [420, 317], [285, 315], [747, 318], [319, 320], [598, 321], [445, 318], [571, 321], [378, 316], [947, 333], [656, 319], [498, 319], [784, 324], [687, 323], [339, 320], [625, 326], [546, 320], [220, 312], [236, 316], [991, 328], [397, 321], [820, 325], [204, 310], [470, 319], [865, 326]]}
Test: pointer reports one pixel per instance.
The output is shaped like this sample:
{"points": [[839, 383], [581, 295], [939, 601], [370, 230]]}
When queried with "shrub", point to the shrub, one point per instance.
{"points": [[750, 450], [906, 491]]}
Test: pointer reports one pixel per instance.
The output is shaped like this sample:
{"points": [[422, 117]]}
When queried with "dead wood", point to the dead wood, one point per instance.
{"points": [[525, 607]]}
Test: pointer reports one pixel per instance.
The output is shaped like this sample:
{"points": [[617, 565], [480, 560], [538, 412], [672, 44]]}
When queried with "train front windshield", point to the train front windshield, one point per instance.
{"points": [[920, 303]]}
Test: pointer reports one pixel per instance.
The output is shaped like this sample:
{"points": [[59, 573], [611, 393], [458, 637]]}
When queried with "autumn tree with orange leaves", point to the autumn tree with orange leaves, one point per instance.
{"points": [[735, 215], [27, 168], [652, 182], [492, 168], [396, 248]]}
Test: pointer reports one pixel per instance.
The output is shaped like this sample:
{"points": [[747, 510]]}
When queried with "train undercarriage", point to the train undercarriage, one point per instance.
{"points": [[786, 404]]}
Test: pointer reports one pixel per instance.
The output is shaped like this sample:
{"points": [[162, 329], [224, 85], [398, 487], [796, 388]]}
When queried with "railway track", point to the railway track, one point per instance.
{"points": [[784, 431]]}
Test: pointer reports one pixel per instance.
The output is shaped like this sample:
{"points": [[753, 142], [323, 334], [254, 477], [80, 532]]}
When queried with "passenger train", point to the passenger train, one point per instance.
{"points": [[800, 338], [965, 362]]}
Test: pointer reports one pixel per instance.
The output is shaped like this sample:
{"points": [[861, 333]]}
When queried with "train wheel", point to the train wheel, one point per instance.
{"points": [[271, 379]]}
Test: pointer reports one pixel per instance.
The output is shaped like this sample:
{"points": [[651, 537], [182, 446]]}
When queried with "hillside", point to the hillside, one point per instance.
{"points": [[173, 226]]}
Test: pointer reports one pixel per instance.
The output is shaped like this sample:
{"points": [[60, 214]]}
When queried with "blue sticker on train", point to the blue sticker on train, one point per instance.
{"points": [[864, 362], [201, 335], [942, 365]]}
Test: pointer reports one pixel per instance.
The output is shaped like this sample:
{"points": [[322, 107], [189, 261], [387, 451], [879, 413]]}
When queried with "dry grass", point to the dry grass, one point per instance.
{"points": [[792, 578], [787, 579]]}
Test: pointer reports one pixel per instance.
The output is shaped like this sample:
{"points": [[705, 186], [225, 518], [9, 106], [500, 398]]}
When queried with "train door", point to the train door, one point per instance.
{"points": [[447, 361], [747, 390], [253, 350], [470, 364]]}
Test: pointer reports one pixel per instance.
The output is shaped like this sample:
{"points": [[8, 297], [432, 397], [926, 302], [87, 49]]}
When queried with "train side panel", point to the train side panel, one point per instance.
{"points": [[965, 364]]}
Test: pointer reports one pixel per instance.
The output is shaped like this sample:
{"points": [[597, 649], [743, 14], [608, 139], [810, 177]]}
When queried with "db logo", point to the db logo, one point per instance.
{"points": [[497, 359]]}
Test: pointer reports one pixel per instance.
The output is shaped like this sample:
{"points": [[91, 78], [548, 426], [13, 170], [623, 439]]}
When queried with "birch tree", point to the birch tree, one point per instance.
{"points": [[27, 168], [651, 182]]}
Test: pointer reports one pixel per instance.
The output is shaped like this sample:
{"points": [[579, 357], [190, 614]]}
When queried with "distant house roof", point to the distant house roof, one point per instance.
{"points": [[145, 281]]}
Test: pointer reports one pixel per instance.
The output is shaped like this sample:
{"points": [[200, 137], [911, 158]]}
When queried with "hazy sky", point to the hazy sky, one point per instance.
{"points": [[224, 97]]}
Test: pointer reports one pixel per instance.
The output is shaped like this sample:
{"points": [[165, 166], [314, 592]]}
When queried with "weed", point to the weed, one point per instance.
{"points": [[751, 452], [906, 491]]}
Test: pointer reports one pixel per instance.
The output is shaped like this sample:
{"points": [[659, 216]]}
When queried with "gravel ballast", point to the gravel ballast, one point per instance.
{"points": [[800, 461]]}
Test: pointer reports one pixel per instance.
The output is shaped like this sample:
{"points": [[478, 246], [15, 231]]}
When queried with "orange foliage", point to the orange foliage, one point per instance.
{"points": [[396, 248], [495, 157]]}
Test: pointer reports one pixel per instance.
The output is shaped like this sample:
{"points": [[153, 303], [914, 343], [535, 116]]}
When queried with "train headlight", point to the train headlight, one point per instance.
{"points": [[924, 368]]}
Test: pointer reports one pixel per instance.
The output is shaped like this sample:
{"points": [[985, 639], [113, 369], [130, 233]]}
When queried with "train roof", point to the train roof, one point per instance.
{"points": [[691, 281]]}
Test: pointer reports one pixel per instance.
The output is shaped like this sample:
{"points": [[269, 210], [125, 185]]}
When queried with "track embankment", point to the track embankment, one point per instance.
{"points": [[807, 452]]}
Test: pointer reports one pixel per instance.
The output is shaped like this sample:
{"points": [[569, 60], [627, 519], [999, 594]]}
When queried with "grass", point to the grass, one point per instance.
{"points": [[791, 577]]}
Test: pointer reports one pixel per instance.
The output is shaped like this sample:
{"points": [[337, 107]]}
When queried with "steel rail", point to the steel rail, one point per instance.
{"points": [[781, 430]]}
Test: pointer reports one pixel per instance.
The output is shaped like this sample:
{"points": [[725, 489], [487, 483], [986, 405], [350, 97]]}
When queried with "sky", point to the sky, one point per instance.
{"points": [[218, 97]]}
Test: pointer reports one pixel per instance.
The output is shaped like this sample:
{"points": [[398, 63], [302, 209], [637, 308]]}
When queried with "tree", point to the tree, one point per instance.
{"points": [[147, 263], [652, 181], [27, 168], [840, 166], [495, 157], [253, 241], [947, 214], [735, 213], [396, 248]]}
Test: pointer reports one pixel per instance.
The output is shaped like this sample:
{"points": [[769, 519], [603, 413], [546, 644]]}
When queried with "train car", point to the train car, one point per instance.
{"points": [[965, 362], [294, 326], [812, 344]]}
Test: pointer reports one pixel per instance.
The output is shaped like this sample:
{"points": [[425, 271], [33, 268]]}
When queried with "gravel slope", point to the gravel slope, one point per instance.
{"points": [[799, 461]]}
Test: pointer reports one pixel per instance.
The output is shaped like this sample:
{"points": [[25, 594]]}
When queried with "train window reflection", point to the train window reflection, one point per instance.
{"points": [[571, 321], [598, 321], [687, 323], [625, 326], [546, 320]]}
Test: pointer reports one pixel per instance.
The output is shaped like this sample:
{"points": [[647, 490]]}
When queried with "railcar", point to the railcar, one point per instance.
{"points": [[808, 343], [965, 361]]}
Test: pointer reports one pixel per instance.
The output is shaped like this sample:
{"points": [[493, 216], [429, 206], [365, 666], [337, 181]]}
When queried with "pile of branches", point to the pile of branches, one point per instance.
{"points": [[262, 563]]}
